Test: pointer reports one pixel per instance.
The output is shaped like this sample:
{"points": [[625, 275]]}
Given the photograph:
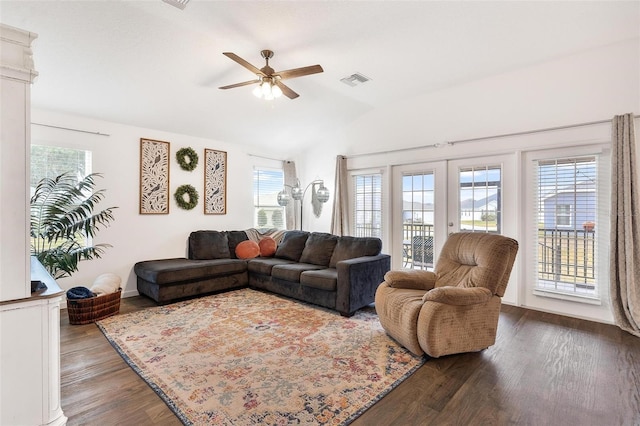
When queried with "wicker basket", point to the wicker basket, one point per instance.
{"points": [[85, 311]]}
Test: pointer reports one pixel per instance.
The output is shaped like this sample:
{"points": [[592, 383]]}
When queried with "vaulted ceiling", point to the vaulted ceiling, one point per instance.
{"points": [[150, 64]]}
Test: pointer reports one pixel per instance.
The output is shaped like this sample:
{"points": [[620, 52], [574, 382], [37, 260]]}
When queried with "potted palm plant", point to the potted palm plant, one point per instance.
{"points": [[63, 220]]}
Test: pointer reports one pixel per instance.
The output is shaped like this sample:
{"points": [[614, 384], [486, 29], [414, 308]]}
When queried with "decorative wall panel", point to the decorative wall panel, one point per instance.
{"points": [[154, 177], [215, 182]]}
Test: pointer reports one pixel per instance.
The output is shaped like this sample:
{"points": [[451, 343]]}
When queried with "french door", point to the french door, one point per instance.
{"points": [[419, 214], [434, 199]]}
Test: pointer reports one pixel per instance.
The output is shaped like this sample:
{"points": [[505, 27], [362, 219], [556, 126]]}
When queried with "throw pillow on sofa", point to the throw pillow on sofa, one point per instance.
{"points": [[319, 248], [292, 245], [247, 250], [267, 246], [206, 245], [235, 238]]}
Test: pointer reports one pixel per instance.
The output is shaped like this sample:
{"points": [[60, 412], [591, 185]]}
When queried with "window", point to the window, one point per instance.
{"points": [[480, 199], [567, 213], [52, 161], [267, 183], [367, 189], [563, 215]]}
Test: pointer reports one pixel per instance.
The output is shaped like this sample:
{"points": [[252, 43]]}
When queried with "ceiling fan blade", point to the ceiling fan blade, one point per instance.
{"points": [[286, 90], [244, 83], [299, 72], [244, 63]]}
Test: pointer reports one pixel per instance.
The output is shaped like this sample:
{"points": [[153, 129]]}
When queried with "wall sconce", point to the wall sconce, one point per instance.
{"points": [[318, 197]]}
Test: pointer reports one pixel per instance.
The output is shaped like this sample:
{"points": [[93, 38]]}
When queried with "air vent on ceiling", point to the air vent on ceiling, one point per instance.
{"points": [[355, 79], [180, 4]]}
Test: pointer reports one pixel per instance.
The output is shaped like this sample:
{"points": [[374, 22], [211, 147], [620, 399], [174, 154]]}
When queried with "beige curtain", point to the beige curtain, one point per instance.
{"points": [[625, 228], [340, 217], [290, 179]]}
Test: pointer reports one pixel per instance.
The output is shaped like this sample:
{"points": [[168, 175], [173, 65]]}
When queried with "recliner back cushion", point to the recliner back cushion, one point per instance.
{"points": [[319, 248], [352, 247], [206, 245], [476, 260], [292, 245]]}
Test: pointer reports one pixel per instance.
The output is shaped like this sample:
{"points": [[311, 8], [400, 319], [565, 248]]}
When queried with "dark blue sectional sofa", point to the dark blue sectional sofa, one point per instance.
{"points": [[340, 273]]}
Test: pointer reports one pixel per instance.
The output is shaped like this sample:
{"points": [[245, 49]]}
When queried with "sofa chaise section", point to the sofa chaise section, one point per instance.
{"points": [[167, 280], [211, 266]]}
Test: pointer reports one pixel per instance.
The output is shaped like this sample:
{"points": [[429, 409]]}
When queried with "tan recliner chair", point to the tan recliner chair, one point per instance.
{"points": [[454, 309]]}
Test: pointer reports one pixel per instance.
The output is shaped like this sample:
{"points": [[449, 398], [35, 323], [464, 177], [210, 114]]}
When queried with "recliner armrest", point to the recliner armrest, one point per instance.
{"points": [[459, 296], [411, 279]]}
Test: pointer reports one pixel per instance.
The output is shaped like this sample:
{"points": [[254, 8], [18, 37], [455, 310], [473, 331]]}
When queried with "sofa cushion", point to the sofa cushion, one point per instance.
{"points": [[247, 250], [291, 272], [352, 247], [169, 271], [263, 265], [292, 245], [205, 245], [268, 247], [323, 279], [319, 248], [235, 238]]}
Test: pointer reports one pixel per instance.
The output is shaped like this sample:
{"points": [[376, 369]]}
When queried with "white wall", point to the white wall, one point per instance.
{"points": [[590, 86], [136, 237]]}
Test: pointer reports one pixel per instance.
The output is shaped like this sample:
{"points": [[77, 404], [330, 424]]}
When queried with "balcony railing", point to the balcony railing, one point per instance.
{"points": [[368, 230], [567, 257], [417, 245]]}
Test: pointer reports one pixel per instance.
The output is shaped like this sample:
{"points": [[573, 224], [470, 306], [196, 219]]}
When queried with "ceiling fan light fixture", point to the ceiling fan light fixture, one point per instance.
{"points": [[267, 90], [276, 91]]}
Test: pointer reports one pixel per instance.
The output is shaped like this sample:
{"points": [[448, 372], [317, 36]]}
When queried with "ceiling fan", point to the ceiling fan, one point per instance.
{"points": [[270, 81]]}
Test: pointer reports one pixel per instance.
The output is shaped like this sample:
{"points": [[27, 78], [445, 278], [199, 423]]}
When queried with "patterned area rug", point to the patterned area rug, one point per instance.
{"points": [[247, 357]]}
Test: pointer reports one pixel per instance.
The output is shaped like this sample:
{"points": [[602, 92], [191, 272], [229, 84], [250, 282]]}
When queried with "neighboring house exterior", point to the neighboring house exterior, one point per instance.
{"points": [[471, 209], [415, 212], [570, 207]]}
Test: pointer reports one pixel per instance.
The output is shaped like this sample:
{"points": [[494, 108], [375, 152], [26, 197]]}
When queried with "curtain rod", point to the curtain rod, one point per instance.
{"points": [[70, 129], [451, 143], [266, 158]]}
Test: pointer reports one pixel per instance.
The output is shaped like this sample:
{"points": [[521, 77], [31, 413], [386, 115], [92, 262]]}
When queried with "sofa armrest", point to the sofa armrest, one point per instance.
{"points": [[415, 279], [459, 296], [358, 279]]}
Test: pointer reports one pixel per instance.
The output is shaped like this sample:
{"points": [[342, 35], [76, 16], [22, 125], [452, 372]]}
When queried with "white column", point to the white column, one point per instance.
{"points": [[16, 75], [29, 323]]}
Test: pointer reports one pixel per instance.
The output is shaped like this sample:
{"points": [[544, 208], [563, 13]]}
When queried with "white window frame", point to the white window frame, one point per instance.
{"points": [[274, 206], [353, 199], [602, 154], [88, 169], [564, 215]]}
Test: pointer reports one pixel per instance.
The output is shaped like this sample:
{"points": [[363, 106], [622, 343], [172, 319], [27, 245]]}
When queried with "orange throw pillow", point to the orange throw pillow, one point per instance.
{"points": [[247, 250], [267, 247]]}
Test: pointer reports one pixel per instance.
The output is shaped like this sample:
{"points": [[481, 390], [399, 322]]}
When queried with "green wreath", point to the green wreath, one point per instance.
{"points": [[187, 153], [191, 192]]}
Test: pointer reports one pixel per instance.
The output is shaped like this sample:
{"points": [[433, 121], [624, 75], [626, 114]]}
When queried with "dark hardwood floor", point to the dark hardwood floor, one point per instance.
{"points": [[543, 370]]}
